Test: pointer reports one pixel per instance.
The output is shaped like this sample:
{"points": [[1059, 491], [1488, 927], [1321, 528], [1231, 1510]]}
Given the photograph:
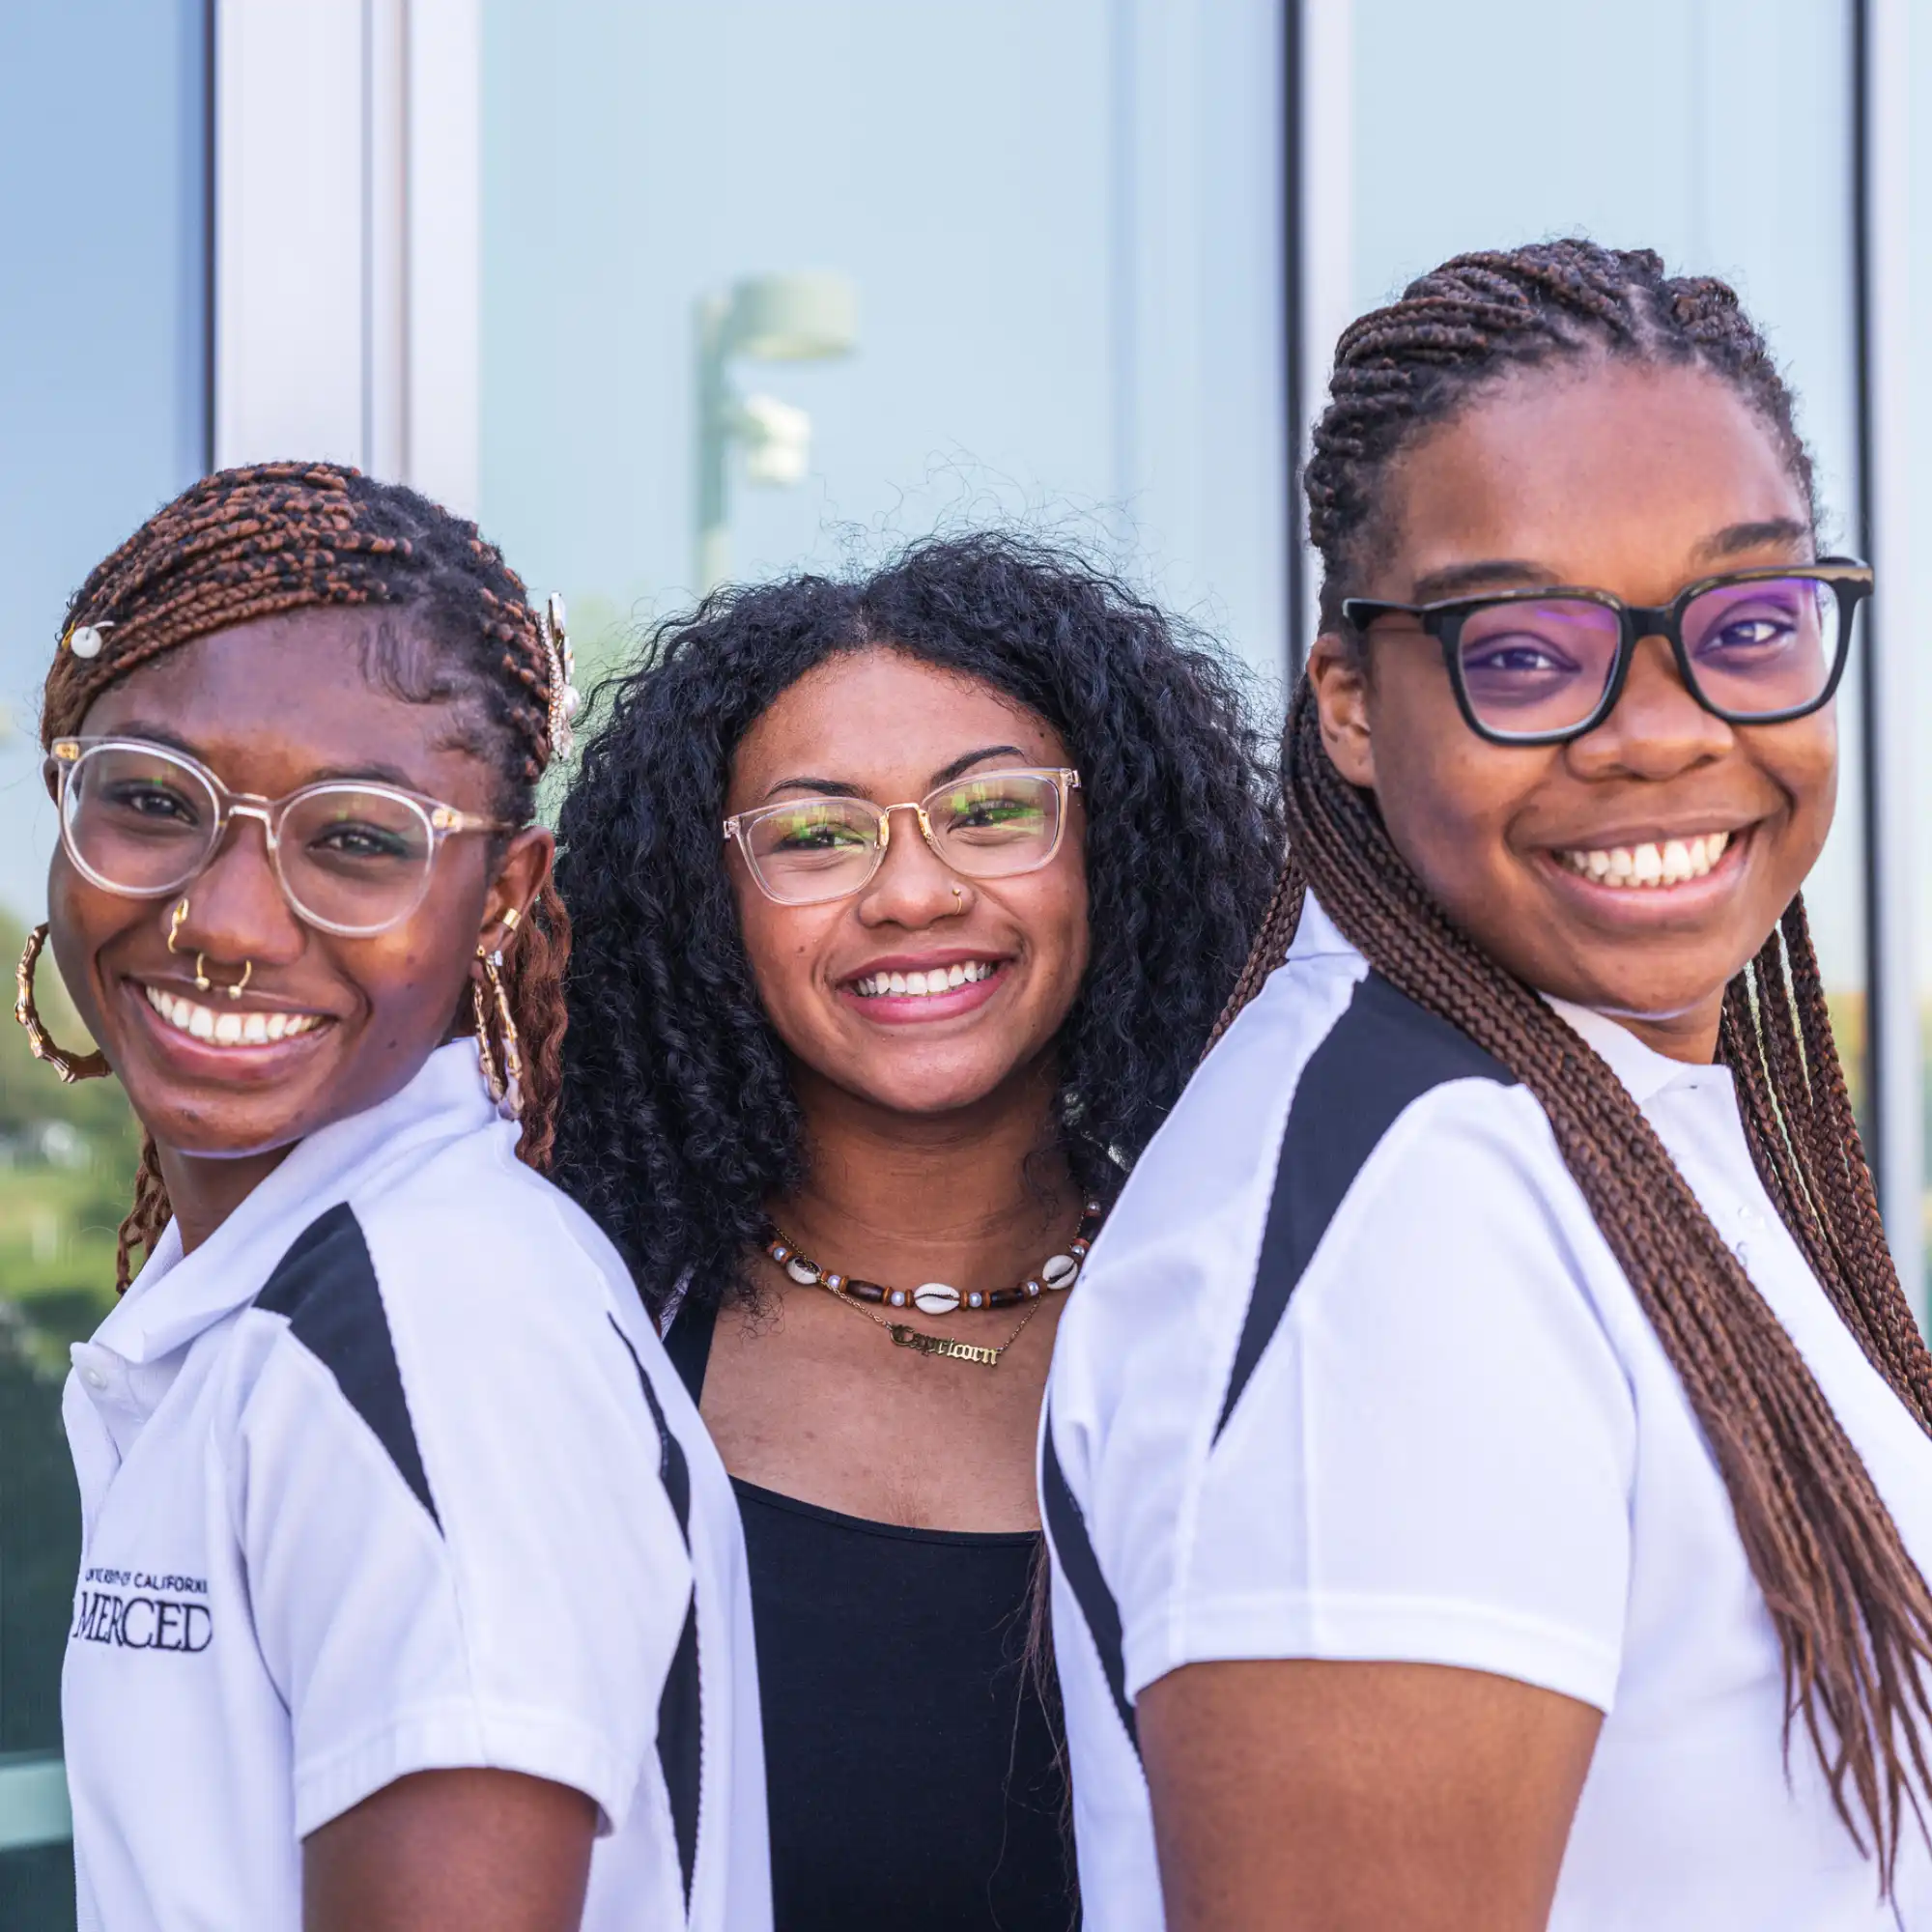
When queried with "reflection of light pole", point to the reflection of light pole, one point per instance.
{"points": [[796, 318]]}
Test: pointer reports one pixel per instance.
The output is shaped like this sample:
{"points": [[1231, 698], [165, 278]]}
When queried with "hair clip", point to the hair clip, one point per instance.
{"points": [[85, 640], [563, 698]]}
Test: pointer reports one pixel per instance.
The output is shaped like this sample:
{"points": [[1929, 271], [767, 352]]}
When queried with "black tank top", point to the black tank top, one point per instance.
{"points": [[912, 1774]]}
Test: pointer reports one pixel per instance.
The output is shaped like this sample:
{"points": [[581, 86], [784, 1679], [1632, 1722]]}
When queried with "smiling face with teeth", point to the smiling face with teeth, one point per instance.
{"points": [[925, 992], [324, 1025], [1636, 868]]}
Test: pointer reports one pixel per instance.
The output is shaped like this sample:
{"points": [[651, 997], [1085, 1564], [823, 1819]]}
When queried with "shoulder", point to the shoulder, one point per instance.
{"points": [[469, 1272], [475, 1232], [1350, 1184], [1332, 1090]]}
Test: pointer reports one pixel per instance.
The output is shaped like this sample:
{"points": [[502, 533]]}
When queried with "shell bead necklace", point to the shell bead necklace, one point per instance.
{"points": [[1055, 1274]]}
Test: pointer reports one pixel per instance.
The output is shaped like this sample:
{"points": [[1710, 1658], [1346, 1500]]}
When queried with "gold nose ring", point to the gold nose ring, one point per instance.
{"points": [[958, 898], [202, 983]]}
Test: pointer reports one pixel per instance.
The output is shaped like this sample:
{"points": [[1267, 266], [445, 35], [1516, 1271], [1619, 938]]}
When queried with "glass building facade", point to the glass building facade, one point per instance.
{"points": [[665, 294]]}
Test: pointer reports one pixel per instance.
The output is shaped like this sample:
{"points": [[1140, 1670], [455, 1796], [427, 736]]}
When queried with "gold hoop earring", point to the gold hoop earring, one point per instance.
{"points": [[506, 1088], [71, 1066]]}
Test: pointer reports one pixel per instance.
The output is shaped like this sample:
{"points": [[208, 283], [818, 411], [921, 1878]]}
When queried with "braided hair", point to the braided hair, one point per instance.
{"points": [[273, 537], [1851, 1611], [681, 1122]]}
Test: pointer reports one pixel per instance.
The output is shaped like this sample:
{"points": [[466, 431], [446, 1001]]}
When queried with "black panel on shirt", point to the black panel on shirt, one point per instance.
{"points": [[325, 1287], [1383, 1054], [681, 1708], [1081, 1568]]}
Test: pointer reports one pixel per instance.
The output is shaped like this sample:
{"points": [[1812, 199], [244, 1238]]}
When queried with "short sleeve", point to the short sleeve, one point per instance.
{"points": [[445, 1483], [1432, 1459]]}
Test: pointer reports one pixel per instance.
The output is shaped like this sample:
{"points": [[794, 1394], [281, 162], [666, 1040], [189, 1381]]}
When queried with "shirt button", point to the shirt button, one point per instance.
{"points": [[93, 1376]]}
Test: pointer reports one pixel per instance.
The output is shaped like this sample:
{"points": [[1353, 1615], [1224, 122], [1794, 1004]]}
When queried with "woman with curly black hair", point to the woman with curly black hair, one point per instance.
{"points": [[904, 907]]}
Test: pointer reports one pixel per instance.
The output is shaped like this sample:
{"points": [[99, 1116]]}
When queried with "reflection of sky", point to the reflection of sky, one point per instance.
{"points": [[101, 336], [1715, 131], [1062, 222], [1912, 599]]}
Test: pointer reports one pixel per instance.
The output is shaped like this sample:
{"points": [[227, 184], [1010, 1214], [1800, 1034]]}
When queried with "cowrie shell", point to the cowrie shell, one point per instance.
{"points": [[935, 1297], [801, 1270], [1059, 1271]]}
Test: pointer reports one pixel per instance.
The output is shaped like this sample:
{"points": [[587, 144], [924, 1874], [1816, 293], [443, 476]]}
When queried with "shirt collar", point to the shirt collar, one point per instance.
{"points": [[1644, 1071], [176, 1296], [1316, 936]]}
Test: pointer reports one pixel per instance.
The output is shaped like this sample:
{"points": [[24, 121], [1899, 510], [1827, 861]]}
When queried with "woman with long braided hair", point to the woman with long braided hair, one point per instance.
{"points": [[407, 1568], [1488, 1468]]}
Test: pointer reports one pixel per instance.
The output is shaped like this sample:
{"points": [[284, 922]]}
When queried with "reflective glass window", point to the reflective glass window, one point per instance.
{"points": [[768, 284], [103, 411]]}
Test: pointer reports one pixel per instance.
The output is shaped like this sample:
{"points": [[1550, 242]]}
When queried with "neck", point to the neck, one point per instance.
{"points": [[203, 1192], [1691, 1035], [978, 1196]]}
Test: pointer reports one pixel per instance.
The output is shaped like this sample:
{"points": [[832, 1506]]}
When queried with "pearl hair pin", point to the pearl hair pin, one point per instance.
{"points": [[564, 702]]}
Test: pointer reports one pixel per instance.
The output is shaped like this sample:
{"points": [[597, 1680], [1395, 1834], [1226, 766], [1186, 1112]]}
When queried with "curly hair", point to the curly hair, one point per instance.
{"points": [[254, 541], [679, 1120], [1851, 1611]]}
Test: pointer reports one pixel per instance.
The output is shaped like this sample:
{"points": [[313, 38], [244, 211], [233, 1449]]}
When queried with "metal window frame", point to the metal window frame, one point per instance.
{"points": [[346, 297], [1895, 1071], [1318, 255]]}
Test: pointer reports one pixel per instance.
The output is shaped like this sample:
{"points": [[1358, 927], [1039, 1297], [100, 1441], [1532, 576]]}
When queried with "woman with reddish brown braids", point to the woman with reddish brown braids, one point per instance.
{"points": [[407, 1570], [1488, 1466]]}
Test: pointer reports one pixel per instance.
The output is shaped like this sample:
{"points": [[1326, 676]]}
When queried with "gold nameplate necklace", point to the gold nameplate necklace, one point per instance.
{"points": [[1057, 1274]]}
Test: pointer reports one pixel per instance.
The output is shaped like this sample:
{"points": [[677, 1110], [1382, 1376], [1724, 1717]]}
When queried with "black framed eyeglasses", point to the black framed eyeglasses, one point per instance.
{"points": [[1542, 666]]}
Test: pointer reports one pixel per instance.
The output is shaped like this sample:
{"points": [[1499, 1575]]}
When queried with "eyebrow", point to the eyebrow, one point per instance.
{"points": [[1739, 537], [944, 775], [1500, 573], [1508, 572], [377, 774]]}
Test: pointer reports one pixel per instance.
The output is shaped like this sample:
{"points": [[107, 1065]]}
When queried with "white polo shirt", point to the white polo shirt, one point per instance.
{"points": [[392, 1474], [1353, 1374]]}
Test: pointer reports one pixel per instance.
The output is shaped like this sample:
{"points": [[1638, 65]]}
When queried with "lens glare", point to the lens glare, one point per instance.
{"points": [[1537, 666], [992, 827], [352, 858], [818, 848], [1761, 647], [137, 819]]}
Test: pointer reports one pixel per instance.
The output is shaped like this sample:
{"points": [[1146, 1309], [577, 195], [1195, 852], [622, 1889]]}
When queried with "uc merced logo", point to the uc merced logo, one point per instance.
{"points": [[133, 1609]]}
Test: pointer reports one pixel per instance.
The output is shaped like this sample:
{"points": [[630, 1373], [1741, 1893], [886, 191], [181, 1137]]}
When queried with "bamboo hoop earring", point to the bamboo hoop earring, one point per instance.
{"points": [[506, 1088], [71, 1066]]}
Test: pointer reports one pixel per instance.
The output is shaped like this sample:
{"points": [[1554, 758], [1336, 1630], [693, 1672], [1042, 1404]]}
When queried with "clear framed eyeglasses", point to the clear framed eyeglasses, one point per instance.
{"points": [[992, 825], [1542, 666], [354, 858]]}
